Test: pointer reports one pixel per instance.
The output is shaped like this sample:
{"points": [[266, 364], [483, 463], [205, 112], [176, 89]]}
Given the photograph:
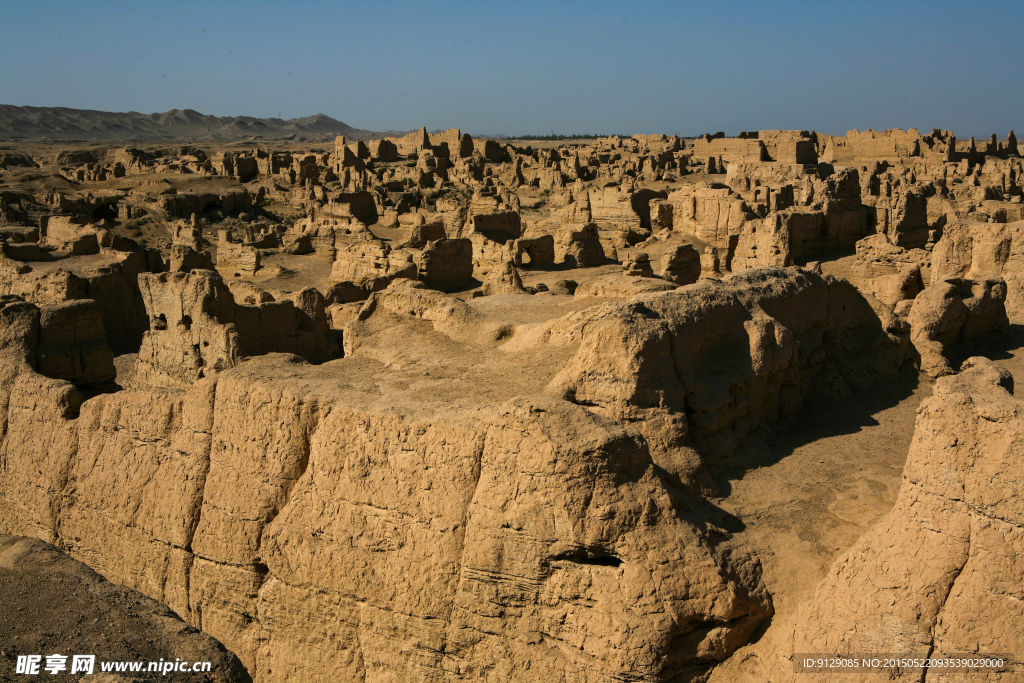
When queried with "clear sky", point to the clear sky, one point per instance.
{"points": [[531, 67]]}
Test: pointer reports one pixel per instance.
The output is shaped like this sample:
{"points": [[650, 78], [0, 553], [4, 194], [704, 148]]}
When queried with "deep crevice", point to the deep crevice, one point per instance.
{"points": [[593, 557]]}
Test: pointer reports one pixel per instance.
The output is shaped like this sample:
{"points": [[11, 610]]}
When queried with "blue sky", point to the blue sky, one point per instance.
{"points": [[531, 67]]}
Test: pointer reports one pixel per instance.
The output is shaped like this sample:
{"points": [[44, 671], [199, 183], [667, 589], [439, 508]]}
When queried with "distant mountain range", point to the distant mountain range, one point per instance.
{"points": [[63, 124]]}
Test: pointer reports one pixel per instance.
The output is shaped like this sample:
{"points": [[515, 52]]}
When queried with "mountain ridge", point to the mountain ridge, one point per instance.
{"points": [[66, 124]]}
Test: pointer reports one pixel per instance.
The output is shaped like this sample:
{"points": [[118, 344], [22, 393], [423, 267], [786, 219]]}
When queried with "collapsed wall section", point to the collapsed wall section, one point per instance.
{"points": [[698, 368], [197, 329]]}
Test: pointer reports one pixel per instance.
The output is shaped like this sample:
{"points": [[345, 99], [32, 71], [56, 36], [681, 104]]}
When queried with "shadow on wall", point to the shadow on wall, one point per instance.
{"points": [[997, 346], [824, 418]]}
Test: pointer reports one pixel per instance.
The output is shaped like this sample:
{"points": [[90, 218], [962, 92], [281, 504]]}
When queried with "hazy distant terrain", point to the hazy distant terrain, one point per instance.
{"points": [[62, 123]]}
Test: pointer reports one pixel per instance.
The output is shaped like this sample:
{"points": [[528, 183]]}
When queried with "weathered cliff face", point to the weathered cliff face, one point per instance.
{"points": [[197, 329], [712, 212], [960, 506], [72, 344], [543, 543], [431, 507], [109, 278], [191, 329], [984, 250], [533, 536], [701, 367], [949, 313], [940, 575]]}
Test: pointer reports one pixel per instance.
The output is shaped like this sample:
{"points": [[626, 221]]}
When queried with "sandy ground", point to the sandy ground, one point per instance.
{"points": [[823, 482], [284, 274], [813, 488]]}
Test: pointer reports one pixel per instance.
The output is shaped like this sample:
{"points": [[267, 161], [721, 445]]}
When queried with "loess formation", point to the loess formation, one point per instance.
{"points": [[434, 408]]}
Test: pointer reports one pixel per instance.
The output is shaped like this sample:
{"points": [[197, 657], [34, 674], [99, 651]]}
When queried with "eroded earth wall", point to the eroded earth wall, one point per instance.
{"points": [[352, 521]]}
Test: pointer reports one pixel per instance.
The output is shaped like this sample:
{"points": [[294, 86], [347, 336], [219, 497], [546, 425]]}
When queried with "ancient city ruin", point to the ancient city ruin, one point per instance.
{"points": [[442, 408]]}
